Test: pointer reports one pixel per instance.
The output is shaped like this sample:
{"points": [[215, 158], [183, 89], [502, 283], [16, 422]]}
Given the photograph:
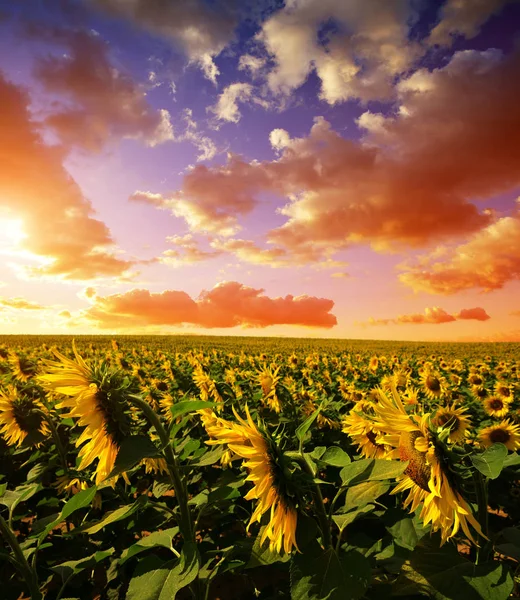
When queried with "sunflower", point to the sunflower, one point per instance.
{"points": [[154, 465], [268, 378], [22, 368], [362, 431], [496, 406], [247, 441], [206, 385], [455, 420], [504, 390], [434, 384], [426, 478], [373, 363], [21, 418], [71, 485], [95, 397], [504, 432]]}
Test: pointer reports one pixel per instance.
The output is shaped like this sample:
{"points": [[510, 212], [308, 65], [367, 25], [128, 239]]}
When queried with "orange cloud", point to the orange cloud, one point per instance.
{"points": [[187, 251], [432, 316], [20, 304], [107, 103], [227, 305], [57, 218], [477, 314], [489, 260]]}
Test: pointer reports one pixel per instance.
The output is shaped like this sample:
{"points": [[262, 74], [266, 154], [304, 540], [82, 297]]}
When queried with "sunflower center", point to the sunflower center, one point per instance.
{"points": [[115, 420], [504, 391], [418, 469], [499, 436], [496, 404], [448, 418], [482, 393], [433, 384], [26, 417]]}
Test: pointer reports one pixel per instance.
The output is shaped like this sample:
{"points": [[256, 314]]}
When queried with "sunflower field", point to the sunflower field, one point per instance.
{"points": [[155, 468]]}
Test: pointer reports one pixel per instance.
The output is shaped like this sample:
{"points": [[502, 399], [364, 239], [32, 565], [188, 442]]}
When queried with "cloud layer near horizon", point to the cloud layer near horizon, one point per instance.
{"points": [[228, 304]]}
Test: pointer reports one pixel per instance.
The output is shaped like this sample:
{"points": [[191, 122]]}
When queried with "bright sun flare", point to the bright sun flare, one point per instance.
{"points": [[11, 233]]}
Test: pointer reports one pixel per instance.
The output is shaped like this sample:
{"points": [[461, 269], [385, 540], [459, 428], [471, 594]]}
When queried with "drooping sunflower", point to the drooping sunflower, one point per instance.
{"points": [[453, 418], [496, 406], [362, 430], [21, 418], [268, 378], [95, 396], [206, 385], [21, 367], [504, 432], [426, 479], [247, 441], [434, 384]]}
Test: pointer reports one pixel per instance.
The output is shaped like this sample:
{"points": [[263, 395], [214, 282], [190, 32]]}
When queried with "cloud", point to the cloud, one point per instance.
{"points": [[211, 199], [487, 261], [410, 182], [356, 48], [58, 224], [477, 314], [251, 64], [187, 251], [20, 304], [228, 304], [226, 108], [107, 103], [205, 145], [463, 17], [432, 316], [199, 28]]}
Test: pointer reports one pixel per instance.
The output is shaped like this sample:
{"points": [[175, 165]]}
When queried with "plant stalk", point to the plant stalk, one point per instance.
{"points": [[482, 501], [28, 574]]}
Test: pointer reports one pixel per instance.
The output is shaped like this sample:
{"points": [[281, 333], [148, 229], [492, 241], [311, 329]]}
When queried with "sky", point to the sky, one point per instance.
{"points": [[307, 168]]}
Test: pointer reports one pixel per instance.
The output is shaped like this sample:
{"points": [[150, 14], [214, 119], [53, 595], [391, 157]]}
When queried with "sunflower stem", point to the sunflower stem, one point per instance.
{"points": [[28, 574], [482, 501], [59, 446], [186, 522], [318, 499]]}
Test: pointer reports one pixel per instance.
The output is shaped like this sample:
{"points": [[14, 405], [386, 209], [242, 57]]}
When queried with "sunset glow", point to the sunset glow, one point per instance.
{"points": [[307, 168]]}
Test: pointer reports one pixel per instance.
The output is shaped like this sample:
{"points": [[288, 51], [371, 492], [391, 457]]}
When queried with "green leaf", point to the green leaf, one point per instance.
{"points": [[355, 469], [132, 451], [12, 498], [346, 519], [116, 515], [510, 542], [302, 430], [157, 539], [261, 555], [189, 406], [209, 457], [156, 580], [224, 492], [512, 460], [336, 457], [491, 462], [72, 567], [79, 500], [324, 575], [442, 574], [363, 493]]}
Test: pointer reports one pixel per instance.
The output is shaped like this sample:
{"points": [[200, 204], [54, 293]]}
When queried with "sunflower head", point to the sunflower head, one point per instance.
{"points": [[22, 368], [434, 384], [496, 406], [454, 420], [21, 418], [505, 432]]}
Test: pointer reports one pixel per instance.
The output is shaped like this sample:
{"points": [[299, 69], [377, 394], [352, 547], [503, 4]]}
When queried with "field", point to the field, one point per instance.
{"points": [[153, 468]]}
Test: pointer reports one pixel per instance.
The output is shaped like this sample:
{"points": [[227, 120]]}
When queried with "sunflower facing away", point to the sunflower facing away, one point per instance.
{"points": [[362, 430], [95, 401], [504, 432], [247, 441], [21, 418], [268, 379], [425, 477], [453, 418], [22, 368]]}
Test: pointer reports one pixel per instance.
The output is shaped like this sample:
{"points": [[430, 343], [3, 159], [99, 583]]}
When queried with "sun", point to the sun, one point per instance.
{"points": [[12, 233]]}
